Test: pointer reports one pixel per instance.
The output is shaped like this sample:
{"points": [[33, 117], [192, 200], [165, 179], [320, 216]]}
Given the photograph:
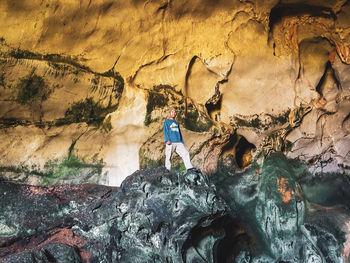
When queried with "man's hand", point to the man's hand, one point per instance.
{"points": [[168, 142]]}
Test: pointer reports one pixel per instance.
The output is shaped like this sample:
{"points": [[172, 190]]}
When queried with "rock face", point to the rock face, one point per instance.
{"points": [[93, 81], [86, 85], [262, 215], [275, 201], [155, 216]]}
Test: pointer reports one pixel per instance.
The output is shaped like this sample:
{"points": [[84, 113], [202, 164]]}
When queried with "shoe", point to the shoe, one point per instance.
{"points": [[192, 169]]}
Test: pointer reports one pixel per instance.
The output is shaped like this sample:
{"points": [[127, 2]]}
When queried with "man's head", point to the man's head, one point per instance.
{"points": [[172, 113]]}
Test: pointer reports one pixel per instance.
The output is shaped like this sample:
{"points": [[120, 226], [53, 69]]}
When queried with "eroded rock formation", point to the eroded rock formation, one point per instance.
{"points": [[148, 219], [276, 211], [90, 83], [86, 85]]}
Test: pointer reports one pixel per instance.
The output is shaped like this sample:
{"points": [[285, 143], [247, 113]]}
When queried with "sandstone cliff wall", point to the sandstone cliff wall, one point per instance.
{"points": [[85, 85]]}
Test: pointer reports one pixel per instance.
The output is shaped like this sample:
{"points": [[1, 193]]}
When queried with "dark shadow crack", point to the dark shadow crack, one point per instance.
{"points": [[226, 43], [163, 8], [338, 7], [328, 71], [214, 103], [187, 76], [71, 147], [281, 11], [347, 118], [161, 59], [21, 54]]}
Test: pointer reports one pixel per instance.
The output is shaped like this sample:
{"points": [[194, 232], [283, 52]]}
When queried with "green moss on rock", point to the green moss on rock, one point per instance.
{"points": [[71, 168], [85, 111], [55, 58], [147, 162], [179, 167], [261, 121], [89, 111], [155, 100], [118, 80], [254, 122], [282, 118], [2, 80], [195, 121], [60, 62], [32, 89]]}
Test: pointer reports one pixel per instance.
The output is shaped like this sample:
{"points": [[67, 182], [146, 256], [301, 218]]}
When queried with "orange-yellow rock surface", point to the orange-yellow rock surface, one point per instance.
{"points": [[91, 81]]}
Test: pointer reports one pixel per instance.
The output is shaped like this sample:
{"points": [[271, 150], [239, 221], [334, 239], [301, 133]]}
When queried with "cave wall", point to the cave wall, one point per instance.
{"points": [[85, 85]]}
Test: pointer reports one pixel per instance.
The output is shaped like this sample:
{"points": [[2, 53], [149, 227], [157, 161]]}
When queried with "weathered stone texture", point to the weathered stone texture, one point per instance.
{"points": [[251, 68], [274, 212]]}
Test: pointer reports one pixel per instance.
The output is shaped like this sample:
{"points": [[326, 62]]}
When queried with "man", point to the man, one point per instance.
{"points": [[174, 141]]}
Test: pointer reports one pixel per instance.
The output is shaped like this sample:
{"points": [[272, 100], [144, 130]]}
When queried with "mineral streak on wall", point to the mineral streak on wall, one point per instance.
{"points": [[86, 85]]}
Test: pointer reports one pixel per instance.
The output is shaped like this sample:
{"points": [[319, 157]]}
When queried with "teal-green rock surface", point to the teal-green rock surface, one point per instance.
{"points": [[285, 224], [155, 216], [260, 215]]}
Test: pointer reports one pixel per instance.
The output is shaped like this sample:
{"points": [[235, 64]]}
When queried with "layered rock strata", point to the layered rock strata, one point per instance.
{"points": [[93, 81]]}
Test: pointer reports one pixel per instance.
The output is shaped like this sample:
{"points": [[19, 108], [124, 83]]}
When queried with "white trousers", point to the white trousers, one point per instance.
{"points": [[181, 150]]}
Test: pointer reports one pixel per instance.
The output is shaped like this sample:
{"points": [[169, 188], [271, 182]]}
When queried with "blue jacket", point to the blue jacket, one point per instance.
{"points": [[172, 131]]}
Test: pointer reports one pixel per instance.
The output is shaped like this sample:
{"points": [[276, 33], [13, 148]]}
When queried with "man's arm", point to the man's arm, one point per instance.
{"points": [[182, 140], [166, 133]]}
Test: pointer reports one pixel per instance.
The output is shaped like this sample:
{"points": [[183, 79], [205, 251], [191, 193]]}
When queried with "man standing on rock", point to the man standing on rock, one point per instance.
{"points": [[174, 141]]}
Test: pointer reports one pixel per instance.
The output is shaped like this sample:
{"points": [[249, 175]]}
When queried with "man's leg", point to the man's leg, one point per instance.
{"points": [[168, 152], [182, 151]]}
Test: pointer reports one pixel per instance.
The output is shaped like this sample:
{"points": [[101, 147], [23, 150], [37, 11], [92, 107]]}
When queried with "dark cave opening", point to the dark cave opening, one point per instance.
{"points": [[244, 153], [231, 239], [213, 108], [230, 145], [213, 105]]}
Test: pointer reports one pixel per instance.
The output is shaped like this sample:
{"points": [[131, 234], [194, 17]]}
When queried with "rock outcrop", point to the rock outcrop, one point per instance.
{"points": [[93, 81], [86, 85], [153, 217], [274, 212], [276, 203]]}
